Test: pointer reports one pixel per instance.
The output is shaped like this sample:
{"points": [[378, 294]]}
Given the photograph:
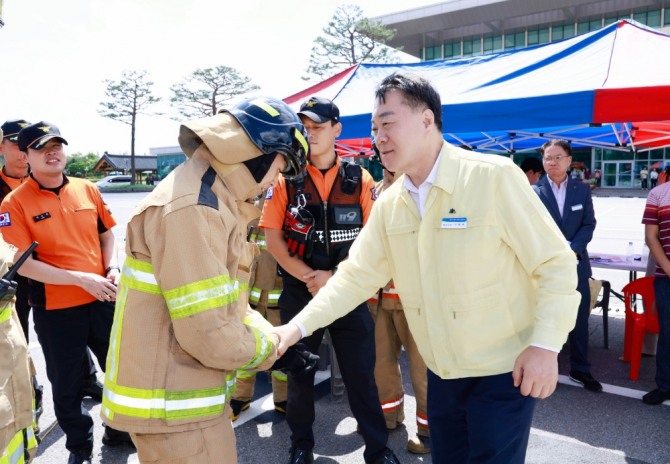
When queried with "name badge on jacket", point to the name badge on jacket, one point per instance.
{"points": [[454, 223], [577, 207]]}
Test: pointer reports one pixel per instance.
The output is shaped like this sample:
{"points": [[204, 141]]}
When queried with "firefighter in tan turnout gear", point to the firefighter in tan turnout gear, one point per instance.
{"points": [[17, 438], [266, 286], [183, 325], [391, 335]]}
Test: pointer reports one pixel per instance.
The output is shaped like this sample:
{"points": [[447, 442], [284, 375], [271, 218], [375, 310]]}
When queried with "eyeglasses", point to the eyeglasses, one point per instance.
{"points": [[551, 159]]}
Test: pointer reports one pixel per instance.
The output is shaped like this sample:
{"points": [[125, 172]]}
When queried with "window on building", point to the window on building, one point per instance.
{"points": [[432, 53], [492, 44], [544, 35], [587, 26], [650, 18], [433, 45], [611, 19], [452, 49], [520, 39], [561, 32], [515, 40], [472, 47]]}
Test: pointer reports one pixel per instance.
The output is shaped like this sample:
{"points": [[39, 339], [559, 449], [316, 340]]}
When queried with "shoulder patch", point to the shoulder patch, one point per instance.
{"points": [[5, 220], [270, 192], [374, 193]]}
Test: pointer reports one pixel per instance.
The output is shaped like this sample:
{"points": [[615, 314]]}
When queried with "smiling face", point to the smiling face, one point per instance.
{"points": [[47, 165], [402, 133]]}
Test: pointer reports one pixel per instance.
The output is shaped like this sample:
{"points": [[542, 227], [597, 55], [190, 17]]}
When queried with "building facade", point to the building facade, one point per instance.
{"points": [[167, 158], [462, 28]]}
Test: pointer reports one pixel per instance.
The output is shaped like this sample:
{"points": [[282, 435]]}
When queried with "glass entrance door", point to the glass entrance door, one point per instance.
{"points": [[617, 174]]}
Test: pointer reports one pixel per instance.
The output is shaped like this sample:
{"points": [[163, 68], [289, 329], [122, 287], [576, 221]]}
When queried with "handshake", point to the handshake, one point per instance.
{"points": [[297, 360]]}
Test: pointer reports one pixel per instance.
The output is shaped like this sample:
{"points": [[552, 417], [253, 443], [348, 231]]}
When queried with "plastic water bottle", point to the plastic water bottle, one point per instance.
{"points": [[629, 252]]}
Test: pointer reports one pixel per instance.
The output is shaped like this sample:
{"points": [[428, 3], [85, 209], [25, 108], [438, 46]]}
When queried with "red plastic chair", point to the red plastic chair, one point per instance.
{"points": [[638, 323]]}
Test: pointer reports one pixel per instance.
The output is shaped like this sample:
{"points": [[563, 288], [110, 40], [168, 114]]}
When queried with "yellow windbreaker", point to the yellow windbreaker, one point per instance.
{"points": [[474, 296]]}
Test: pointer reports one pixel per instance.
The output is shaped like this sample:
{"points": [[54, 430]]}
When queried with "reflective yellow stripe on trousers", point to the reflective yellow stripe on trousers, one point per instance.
{"points": [[15, 453]]}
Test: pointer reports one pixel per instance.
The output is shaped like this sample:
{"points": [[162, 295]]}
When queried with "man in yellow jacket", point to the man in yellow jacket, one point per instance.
{"points": [[183, 325], [486, 279]]}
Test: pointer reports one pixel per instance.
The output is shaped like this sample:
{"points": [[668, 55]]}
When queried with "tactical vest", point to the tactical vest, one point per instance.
{"points": [[337, 220], [4, 189]]}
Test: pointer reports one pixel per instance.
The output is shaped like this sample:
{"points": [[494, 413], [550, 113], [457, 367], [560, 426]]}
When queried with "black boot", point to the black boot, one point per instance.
{"points": [[39, 393], [92, 387], [387, 458], [113, 437], [300, 456], [80, 457]]}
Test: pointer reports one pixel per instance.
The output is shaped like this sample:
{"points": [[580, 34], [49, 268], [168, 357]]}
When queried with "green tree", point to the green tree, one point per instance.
{"points": [[80, 165], [204, 91], [128, 98], [349, 39]]}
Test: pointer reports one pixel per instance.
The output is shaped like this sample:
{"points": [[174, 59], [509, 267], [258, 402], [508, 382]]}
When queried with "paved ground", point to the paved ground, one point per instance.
{"points": [[573, 426]]}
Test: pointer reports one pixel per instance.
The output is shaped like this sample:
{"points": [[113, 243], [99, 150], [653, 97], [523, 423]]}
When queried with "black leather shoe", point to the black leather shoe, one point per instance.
{"points": [[587, 380], [656, 397], [300, 456], [387, 458], [113, 437], [80, 457], [93, 388]]}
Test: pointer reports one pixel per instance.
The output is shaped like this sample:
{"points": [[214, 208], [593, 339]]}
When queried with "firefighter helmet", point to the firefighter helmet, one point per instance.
{"points": [[274, 128]]}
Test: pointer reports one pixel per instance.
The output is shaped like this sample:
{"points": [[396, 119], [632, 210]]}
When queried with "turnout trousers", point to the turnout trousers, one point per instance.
{"points": [[391, 334], [209, 445]]}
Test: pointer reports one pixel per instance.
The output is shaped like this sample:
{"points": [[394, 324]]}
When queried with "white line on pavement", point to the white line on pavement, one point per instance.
{"points": [[613, 389]]}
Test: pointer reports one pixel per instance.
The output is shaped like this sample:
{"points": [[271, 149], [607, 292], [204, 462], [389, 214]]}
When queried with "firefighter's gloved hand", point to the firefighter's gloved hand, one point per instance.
{"points": [[297, 360], [300, 227]]}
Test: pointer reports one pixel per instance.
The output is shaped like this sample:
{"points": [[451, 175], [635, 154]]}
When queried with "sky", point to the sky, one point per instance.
{"points": [[56, 56]]}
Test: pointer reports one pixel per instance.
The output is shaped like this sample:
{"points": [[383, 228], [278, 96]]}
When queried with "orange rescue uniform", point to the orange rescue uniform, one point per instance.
{"points": [[275, 211], [32, 212]]}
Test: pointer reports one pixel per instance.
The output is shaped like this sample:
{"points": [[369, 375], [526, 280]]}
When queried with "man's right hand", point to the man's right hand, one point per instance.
{"points": [[100, 287], [289, 334]]}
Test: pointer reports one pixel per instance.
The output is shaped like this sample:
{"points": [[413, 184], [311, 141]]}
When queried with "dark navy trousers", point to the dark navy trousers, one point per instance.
{"points": [[662, 292], [478, 420], [578, 339], [64, 335]]}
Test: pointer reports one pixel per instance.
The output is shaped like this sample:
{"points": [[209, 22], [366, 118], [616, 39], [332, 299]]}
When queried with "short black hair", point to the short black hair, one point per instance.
{"points": [[532, 164], [564, 144], [417, 92]]}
